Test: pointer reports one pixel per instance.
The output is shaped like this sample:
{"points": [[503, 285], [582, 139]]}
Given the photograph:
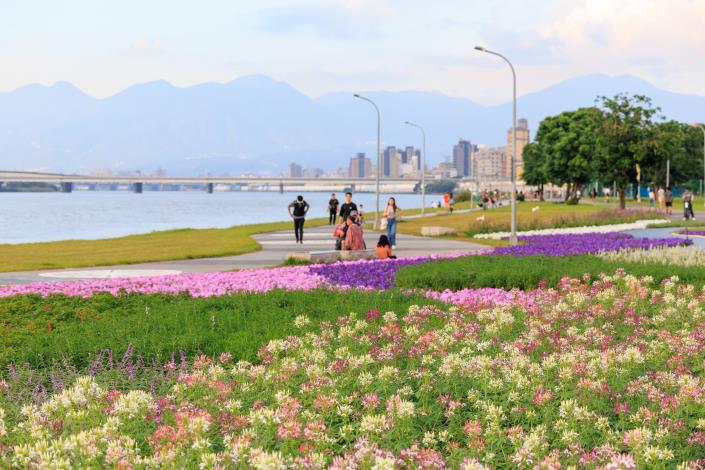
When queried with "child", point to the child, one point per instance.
{"points": [[384, 248]]}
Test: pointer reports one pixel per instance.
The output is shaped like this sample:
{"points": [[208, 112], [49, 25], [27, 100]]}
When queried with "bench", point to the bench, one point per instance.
{"points": [[331, 256]]}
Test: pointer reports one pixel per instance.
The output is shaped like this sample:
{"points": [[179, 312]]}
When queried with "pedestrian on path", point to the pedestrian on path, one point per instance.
{"points": [[652, 197], [298, 210], [668, 197], [347, 207], [390, 214], [333, 204], [688, 213], [451, 203], [661, 197]]}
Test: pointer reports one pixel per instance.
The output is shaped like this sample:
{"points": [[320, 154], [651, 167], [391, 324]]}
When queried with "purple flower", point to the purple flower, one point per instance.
{"points": [[576, 244]]}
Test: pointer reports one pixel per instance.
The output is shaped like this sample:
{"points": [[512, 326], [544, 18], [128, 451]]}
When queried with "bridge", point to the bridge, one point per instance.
{"points": [[66, 181]]}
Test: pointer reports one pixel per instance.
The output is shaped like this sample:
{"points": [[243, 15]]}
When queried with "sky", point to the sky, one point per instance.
{"points": [[321, 46]]}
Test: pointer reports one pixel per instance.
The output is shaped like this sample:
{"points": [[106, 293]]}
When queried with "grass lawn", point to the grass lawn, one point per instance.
{"points": [[155, 246], [498, 219]]}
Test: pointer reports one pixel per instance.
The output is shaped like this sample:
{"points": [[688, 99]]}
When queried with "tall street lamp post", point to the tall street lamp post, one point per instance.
{"points": [[702, 128], [423, 166], [513, 236], [379, 166]]}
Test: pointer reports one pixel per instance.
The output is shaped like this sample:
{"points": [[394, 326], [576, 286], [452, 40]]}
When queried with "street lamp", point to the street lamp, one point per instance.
{"points": [[379, 169], [702, 128], [513, 236], [423, 166]]}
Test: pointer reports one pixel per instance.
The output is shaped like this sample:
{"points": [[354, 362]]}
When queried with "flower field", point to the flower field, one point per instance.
{"points": [[605, 374], [336, 366]]}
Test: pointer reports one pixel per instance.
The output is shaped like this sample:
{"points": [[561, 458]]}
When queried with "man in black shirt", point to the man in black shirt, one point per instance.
{"points": [[333, 204], [297, 211], [347, 207]]}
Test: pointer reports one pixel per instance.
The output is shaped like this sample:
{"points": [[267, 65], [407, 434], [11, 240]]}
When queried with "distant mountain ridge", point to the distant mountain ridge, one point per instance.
{"points": [[257, 124]]}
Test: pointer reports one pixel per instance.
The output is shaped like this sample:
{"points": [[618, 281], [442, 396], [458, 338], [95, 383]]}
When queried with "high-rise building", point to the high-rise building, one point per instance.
{"points": [[522, 139], [388, 156], [417, 152], [489, 163], [446, 169], [407, 154], [462, 157], [294, 170], [312, 172], [360, 166]]}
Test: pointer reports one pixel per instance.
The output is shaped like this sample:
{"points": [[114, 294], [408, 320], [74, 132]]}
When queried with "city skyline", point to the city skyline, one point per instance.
{"points": [[302, 42]]}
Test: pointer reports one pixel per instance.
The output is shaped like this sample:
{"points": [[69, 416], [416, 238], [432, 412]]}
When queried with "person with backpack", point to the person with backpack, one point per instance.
{"points": [[298, 210], [688, 204]]}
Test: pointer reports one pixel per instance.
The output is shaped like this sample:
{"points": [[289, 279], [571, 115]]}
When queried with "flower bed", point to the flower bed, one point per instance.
{"points": [[681, 256], [575, 244], [690, 233], [639, 224], [605, 374], [375, 274]]}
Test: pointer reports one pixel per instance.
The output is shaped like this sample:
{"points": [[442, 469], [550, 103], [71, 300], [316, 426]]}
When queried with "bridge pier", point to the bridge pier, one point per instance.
{"points": [[66, 187], [281, 187], [137, 188], [352, 188], [209, 188]]}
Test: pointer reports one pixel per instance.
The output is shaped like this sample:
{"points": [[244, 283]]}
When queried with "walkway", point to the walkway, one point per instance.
{"points": [[275, 247]]}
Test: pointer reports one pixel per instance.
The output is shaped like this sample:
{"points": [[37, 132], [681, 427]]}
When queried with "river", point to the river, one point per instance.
{"points": [[86, 215]]}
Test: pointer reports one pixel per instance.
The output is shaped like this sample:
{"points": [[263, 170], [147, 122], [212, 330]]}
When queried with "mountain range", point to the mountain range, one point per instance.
{"points": [[256, 124]]}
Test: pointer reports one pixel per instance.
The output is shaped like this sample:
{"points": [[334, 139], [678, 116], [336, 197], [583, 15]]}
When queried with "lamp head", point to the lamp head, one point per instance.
{"points": [[480, 48], [407, 122], [356, 95]]}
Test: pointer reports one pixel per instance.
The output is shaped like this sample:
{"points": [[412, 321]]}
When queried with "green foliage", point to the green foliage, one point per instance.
{"points": [[626, 138], [440, 187], [680, 143], [509, 272], [462, 196], [41, 331]]}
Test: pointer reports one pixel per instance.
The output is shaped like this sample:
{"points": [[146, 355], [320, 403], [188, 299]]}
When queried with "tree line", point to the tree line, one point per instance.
{"points": [[622, 140]]}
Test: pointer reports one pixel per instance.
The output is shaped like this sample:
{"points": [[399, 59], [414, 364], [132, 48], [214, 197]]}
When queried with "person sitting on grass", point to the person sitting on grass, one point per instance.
{"points": [[384, 248], [354, 239]]}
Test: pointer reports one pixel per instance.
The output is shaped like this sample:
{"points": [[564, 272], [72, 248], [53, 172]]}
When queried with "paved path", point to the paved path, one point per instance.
{"points": [[275, 247]]}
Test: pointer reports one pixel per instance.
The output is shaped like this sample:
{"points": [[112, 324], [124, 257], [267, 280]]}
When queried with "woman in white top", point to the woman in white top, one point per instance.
{"points": [[390, 213]]}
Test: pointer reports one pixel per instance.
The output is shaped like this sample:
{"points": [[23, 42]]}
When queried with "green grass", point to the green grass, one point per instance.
{"points": [[155, 246], [679, 223], [508, 272], [40, 331], [549, 215]]}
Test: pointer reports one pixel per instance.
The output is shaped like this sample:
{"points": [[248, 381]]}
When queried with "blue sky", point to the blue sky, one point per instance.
{"points": [[349, 45]]}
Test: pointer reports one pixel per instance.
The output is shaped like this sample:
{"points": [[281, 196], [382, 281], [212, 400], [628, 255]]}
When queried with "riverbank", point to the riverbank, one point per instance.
{"points": [[168, 245]]}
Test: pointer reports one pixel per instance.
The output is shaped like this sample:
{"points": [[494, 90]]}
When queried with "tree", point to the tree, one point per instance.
{"points": [[563, 149], [441, 186], [535, 166], [570, 141], [680, 144], [625, 135]]}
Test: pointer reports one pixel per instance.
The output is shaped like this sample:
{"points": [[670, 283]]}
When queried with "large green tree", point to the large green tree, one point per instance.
{"points": [[535, 166], [682, 146], [563, 149], [626, 137]]}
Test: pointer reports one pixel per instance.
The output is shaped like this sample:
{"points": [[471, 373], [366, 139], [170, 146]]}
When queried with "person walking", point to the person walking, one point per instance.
{"points": [[347, 207], [652, 197], [390, 213], [298, 210], [451, 203], [668, 196], [333, 204], [384, 248], [661, 197], [688, 213], [354, 236], [446, 198]]}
